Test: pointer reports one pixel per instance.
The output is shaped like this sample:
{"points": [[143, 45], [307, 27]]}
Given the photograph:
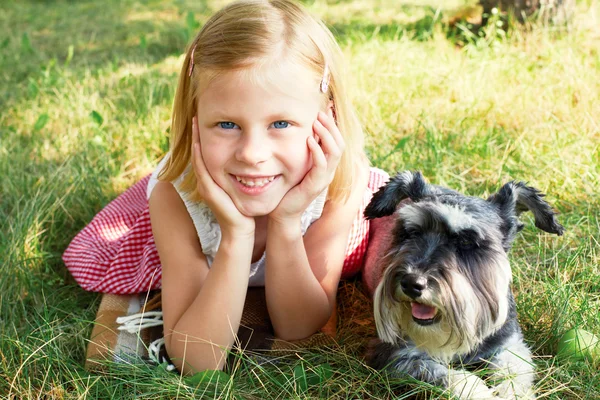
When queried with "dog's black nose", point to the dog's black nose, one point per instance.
{"points": [[413, 285]]}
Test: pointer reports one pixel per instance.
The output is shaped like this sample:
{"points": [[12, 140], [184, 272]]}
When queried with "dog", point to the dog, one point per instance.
{"points": [[441, 278]]}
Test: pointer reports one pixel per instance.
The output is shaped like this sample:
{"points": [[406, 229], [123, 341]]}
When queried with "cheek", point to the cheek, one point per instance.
{"points": [[297, 153], [214, 158], [299, 160]]}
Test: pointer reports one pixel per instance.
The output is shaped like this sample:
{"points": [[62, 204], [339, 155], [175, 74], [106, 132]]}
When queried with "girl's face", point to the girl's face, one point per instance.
{"points": [[254, 126]]}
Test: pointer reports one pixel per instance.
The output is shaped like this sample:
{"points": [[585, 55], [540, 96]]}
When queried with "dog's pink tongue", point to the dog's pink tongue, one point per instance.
{"points": [[421, 311]]}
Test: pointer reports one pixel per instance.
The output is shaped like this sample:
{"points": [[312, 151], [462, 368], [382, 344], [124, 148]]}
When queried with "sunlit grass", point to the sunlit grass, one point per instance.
{"points": [[85, 96]]}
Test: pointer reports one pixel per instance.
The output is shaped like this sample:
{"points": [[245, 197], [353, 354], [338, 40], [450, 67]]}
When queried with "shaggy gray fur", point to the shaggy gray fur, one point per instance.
{"points": [[444, 305]]}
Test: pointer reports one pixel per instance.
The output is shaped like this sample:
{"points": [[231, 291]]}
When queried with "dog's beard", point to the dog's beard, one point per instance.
{"points": [[466, 311]]}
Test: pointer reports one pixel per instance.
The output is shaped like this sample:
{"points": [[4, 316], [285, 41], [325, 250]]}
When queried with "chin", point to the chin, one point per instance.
{"points": [[256, 210]]}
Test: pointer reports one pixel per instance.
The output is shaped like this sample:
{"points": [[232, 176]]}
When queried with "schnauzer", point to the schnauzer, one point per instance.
{"points": [[443, 304]]}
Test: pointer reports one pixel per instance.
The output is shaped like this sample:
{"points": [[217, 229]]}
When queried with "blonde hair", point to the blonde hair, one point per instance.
{"points": [[242, 35]]}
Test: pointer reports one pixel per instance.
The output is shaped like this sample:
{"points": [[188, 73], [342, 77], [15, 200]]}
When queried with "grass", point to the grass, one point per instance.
{"points": [[85, 95]]}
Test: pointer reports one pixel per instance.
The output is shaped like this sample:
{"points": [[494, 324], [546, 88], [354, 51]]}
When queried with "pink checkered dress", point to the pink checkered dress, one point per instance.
{"points": [[116, 253]]}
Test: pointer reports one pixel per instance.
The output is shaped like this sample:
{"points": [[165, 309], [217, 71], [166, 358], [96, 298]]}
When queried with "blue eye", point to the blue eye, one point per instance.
{"points": [[227, 125], [281, 124]]}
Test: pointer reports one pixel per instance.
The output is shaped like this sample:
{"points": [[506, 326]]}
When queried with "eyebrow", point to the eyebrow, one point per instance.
{"points": [[221, 116]]}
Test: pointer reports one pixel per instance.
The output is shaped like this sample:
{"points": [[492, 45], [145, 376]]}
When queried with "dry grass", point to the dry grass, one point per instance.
{"points": [[85, 96]]}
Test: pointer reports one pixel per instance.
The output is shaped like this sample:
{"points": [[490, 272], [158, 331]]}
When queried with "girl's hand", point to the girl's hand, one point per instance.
{"points": [[326, 157], [230, 219]]}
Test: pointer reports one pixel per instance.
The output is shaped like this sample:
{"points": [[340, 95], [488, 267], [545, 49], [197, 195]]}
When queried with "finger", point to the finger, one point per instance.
{"points": [[194, 130], [197, 160], [318, 156], [195, 135], [328, 122], [321, 174], [195, 144], [328, 143]]}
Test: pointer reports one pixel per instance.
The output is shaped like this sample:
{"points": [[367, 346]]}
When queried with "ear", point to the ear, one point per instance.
{"points": [[515, 197], [331, 110], [404, 185]]}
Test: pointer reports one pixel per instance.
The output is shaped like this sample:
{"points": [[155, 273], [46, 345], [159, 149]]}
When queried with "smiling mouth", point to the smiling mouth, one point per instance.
{"points": [[255, 182], [424, 314]]}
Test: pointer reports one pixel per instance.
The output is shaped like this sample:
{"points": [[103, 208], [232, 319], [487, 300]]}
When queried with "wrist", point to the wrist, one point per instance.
{"points": [[288, 227], [237, 234]]}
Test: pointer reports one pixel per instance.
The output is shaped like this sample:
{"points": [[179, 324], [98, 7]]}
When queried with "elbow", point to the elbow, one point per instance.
{"points": [[297, 330], [190, 365], [190, 357], [289, 336]]}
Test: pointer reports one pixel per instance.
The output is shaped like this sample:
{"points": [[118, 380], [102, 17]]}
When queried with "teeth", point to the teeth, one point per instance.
{"points": [[254, 182]]}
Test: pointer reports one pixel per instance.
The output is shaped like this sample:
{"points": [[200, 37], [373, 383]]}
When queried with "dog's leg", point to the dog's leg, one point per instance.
{"points": [[469, 386], [514, 367], [408, 360]]}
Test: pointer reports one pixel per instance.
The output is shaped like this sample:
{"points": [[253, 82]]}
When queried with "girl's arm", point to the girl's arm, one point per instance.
{"points": [[202, 307], [303, 273]]}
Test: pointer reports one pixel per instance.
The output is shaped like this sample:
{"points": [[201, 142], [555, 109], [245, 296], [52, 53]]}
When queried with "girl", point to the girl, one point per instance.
{"points": [[264, 185]]}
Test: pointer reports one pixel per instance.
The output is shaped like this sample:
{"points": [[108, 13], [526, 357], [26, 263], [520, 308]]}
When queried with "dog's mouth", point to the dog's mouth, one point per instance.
{"points": [[423, 314]]}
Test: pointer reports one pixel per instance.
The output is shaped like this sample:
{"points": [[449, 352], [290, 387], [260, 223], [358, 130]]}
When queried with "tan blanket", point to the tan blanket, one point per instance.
{"points": [[107, 342]]}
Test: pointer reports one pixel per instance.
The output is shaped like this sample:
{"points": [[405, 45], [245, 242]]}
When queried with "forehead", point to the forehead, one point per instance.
{"points": [[450, 214], [266, 85]]}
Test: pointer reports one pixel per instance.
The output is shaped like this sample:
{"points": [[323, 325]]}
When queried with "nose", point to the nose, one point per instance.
{"points": [[413, 285], [253, 148]]}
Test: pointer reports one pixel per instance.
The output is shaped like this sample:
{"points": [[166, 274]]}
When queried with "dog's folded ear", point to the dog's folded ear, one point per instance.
{"points": [[405, 185], [515, 197]]}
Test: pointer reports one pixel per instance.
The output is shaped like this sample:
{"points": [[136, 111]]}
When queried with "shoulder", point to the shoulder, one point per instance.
{"points": [[338, 215], [326, 239], [172, 225], [165, 202], [176, 240], [163, 192], [349, 206]]}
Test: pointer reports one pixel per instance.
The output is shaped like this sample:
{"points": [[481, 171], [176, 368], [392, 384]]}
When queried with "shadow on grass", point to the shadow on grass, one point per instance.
{"points": [[420, 29], [46, 49], [85, 37]]}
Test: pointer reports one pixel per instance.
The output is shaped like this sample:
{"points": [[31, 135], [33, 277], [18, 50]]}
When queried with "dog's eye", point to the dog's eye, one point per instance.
{"points": [[410, 232], [467, 239], [466, 243]]}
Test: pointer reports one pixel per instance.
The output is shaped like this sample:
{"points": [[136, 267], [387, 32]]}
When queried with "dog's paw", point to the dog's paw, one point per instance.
{"points": [[468, 386], [511, 391]]}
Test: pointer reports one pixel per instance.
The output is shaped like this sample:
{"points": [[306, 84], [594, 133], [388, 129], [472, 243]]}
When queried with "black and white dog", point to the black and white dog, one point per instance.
{"points": [[442, 298]]}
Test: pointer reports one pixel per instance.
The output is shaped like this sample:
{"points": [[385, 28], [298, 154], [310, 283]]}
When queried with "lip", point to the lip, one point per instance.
{"points": [[253, 176], [252, 191], [427, 322]]}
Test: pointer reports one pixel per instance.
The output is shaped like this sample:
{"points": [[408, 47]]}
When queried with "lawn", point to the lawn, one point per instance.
{"points": [[85, 96]]}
